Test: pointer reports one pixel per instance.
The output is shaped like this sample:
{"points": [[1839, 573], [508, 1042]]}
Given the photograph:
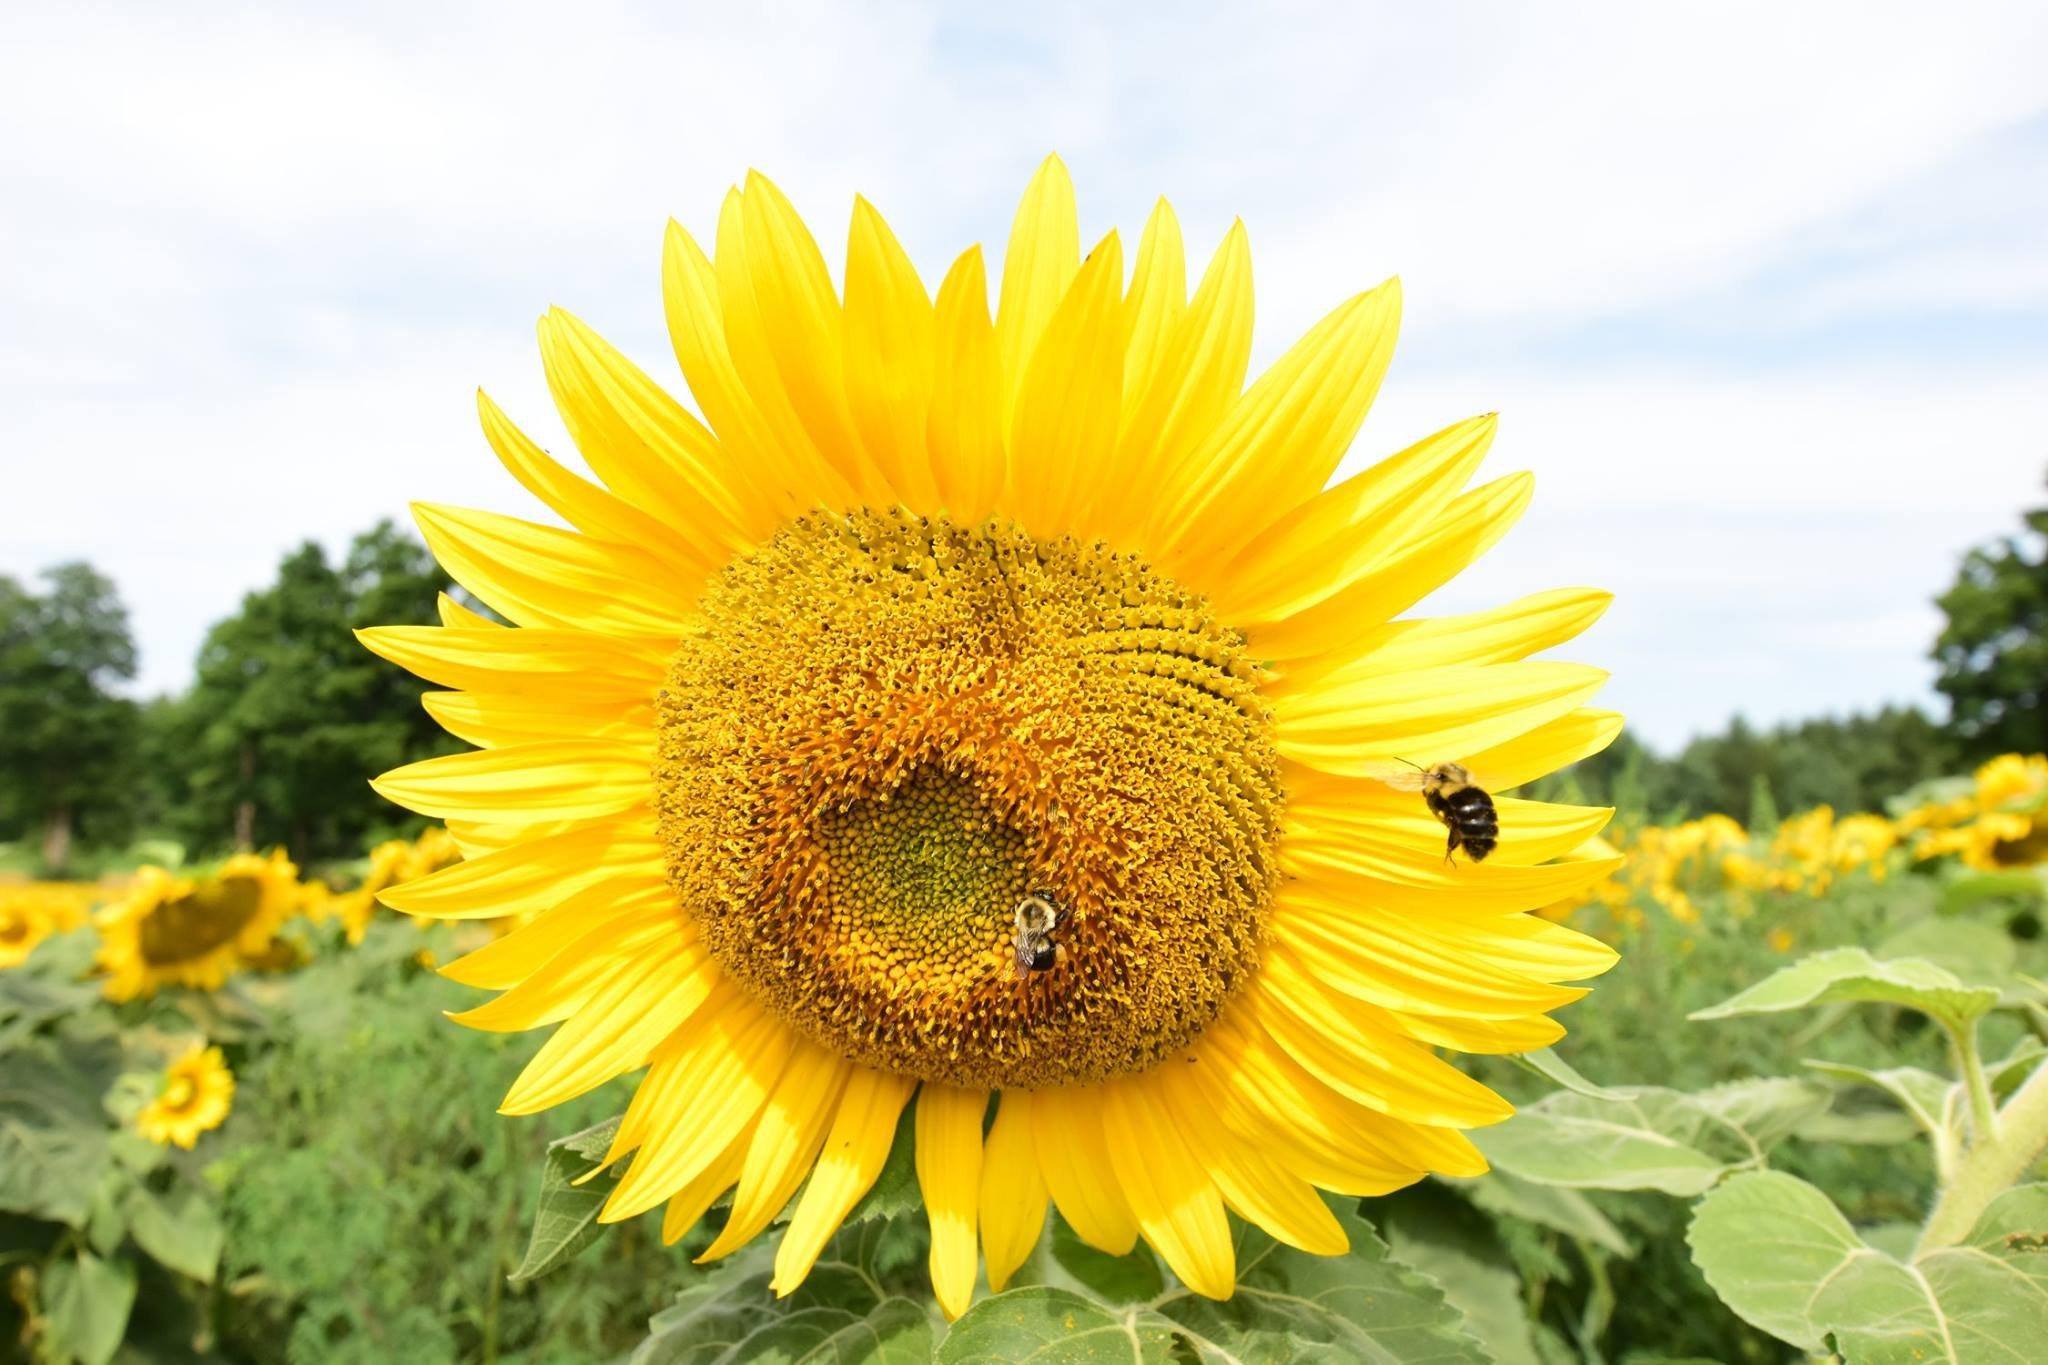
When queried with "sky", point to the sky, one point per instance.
{"points": [[1760, 291]]}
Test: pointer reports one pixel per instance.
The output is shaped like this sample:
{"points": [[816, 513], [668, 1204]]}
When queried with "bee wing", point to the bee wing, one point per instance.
{"points": [[1396, 774]]}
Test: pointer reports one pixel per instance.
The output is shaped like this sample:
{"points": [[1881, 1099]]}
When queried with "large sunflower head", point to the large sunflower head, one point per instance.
{"points": [[194, 931], [993, 709], [193, 1098]]}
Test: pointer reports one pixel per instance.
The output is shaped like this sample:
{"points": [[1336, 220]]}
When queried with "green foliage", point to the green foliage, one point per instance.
{"points": [[66, 740], [290, 716], [1993, 650]]}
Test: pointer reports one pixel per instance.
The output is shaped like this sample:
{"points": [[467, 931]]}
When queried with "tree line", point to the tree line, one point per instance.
{"points": [[288, 717]]}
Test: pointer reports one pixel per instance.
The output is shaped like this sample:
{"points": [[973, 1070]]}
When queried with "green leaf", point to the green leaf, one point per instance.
{"points": [[1362, 1306], [1551, 1206], [1851, 974], [729, 1316], [1652, 1139], [1048, 1326], [53, 1135], [180, 1228], [1976, 953], [1966, 892], [1766, 1108], [1546, 1063], [1785, 1260], [1454, 1244], [1931, 1101], [565, 1220], [1134, 1277], [86, 1301], [2008, 1071]]}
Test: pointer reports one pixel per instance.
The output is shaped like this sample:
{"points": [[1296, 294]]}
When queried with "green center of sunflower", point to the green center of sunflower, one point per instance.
{"points": [[885, 732], [179, 1091], [192, 926]]}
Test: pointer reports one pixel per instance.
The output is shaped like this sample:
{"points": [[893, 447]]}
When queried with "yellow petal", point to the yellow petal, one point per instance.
{"points": [[701, 1091], [688, 1204], [1067, 408], [648, 446], [1012, 1189], [490, 719], [1491, 1037], [1547, 748], [854, 1151], [534, 876], [1157, 298], [1350, 1047], [1532, 947], [505, 962], [1043, 253], [554, 991], [570, 663], [1397, 880], [560, 780], [1197, 377], [453, 613], [1280, 442], [1170, 1194], [1359, 728], [1506, 634], [891, 342], [1376, 958], [948, 1147], [1400, 579], [787, 1135], [1336, 534], [964, 432], [802, 328], [541, 576], [1067, 1133], [613, 1031], [1255, 1187], [583, 504], [1336, 807]]}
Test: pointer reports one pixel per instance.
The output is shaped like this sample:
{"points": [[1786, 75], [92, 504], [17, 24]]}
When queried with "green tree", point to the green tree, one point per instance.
{"points": [[66, 740], [290, 717], [1993, 652]]}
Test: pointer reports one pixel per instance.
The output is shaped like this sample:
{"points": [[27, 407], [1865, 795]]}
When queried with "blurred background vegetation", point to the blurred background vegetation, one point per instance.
{"points": [[288, 718]]}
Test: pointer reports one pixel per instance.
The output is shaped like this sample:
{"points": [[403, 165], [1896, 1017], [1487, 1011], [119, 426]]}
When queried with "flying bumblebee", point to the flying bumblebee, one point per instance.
{"points": [[1035, 918], [1452, 797]]}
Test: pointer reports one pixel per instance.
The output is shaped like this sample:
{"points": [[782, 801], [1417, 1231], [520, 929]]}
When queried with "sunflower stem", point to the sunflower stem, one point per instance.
{"points": [[1992, 1164]]}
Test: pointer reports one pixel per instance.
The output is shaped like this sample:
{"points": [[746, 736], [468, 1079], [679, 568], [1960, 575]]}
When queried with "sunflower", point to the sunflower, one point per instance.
{"points": [[195, 1096], [933, 618], [32, 911], [186, 931]]}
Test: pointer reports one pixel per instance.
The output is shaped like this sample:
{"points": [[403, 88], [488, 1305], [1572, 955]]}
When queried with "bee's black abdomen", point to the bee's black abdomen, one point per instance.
{"points": [[1043, 955], [1469, 815]]}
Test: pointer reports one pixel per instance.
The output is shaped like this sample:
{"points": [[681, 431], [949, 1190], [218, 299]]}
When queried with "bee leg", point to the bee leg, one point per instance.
{"points": [[1451, 846]]}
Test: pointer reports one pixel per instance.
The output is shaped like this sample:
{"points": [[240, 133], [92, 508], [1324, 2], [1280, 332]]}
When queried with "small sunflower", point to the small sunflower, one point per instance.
{"points": [[934, 617], [392, 863], [32, 911], [187, 931], [195, 1096]]}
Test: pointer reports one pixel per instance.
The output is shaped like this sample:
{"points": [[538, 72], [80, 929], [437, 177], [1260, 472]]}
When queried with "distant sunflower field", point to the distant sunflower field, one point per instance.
{"points": [[233, 1127]]}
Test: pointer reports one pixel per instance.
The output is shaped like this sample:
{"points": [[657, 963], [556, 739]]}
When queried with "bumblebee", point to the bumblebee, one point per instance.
{"points": [[1452, 797], [1035, 918]]}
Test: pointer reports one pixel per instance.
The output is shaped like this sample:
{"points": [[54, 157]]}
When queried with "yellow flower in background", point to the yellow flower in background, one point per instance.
{"points": [[195, 1096], [393, 862], [32, 911], [1781, 940], [943, 610], [2003, 823], [2013, 782], [193, 931]]}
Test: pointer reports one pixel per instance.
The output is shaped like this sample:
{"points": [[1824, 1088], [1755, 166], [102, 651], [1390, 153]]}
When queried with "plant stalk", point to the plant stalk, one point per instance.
{"points": [[1990, 1168], [1983, 1109]]}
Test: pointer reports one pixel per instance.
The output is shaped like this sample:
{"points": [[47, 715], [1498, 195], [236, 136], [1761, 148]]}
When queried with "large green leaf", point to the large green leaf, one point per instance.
{"points": [[1784, 1259], [1454, 1244], [565, 1220], [1651, 1139], [1062, 1260], [1546, 1063], [1931, 1101], [1850, 975], [1048, 1326], [180, 1228], [1290, 1306], [843, 1312], [1976, 953], [1968, 890], [53, 1133], [86, 1302], [1551, 1206]]}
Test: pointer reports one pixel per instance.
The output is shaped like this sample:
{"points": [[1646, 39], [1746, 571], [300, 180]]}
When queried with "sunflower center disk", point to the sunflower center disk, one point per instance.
{"points": [[884, 731], [192, 926]]}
